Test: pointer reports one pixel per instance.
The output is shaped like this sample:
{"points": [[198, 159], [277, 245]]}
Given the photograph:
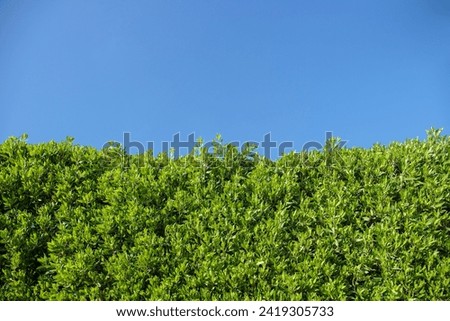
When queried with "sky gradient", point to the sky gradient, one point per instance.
{"points": [[368, 71]]}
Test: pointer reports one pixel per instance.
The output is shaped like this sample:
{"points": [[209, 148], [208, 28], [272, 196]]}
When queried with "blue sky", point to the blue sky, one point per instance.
{"points": [[369, 71]]}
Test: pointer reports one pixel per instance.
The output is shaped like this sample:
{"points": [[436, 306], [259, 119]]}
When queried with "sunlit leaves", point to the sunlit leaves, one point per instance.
{"points": [[342, 224]]}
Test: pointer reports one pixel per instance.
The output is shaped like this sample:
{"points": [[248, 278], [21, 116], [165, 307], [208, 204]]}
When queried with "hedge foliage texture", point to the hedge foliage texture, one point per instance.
{"points": [[77, 223]]}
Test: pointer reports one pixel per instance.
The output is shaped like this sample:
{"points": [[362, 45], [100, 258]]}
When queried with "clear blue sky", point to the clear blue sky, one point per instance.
{"points": [[369, 71]]}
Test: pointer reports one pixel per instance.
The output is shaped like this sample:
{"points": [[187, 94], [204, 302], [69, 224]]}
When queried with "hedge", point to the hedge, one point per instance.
{"points": [[77, 223]]}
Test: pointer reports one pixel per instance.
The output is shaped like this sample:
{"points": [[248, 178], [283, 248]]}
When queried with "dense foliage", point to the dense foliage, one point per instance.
{"points": [[77, 223]]}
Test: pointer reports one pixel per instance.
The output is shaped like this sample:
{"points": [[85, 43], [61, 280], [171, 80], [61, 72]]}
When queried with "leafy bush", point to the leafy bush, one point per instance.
{"points": [[343, 224]]}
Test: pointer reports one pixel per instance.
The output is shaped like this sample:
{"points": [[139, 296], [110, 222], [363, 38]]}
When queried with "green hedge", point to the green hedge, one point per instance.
{"points": [[77, 223]]}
